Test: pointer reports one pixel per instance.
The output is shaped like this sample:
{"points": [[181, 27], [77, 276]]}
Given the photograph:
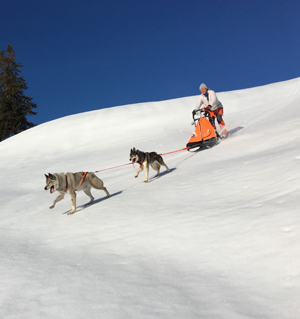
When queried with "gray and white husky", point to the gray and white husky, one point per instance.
{"points": [[72, 182], [146, 159]]}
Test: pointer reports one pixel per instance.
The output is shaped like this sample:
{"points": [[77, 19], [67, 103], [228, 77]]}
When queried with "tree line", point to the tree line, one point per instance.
{"points": [[15, 106]]}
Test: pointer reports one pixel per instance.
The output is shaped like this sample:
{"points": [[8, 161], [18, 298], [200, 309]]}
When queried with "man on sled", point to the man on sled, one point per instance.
{"points": [[209, 102]]}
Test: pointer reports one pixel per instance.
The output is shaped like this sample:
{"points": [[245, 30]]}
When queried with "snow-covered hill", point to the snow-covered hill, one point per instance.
{"points": [[217, 237]]}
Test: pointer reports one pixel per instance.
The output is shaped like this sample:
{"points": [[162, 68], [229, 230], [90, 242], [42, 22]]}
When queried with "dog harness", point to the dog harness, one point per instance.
{"points": [[66, 184], [152, 152], [83, 177], [144, 160]]}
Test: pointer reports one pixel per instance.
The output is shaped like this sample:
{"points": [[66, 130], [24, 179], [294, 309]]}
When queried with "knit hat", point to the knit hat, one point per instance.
{"points": [[202, 86]]}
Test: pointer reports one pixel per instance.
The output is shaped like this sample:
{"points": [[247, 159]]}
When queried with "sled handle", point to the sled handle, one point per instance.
{"points": [[195, 112]]}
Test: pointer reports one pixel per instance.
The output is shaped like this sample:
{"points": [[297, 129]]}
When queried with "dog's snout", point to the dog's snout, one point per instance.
{"points": [[45, 188]]}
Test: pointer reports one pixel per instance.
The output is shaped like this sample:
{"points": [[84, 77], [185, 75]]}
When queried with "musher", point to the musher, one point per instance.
{"points": [[208, 101]]}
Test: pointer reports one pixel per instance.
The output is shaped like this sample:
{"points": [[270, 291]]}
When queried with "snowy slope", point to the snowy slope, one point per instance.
{"points": [[217, 237]]}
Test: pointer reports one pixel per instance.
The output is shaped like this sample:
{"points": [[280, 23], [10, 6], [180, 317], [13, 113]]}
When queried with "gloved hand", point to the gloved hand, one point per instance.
{"points": [[194, 112], [208, 108]]}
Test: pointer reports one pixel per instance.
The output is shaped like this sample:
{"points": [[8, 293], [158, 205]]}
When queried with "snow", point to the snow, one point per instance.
{"points": [[217, 237]]}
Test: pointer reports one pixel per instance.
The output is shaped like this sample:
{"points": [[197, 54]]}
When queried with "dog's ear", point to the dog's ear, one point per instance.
{"points": [[46, 176], [52, 176], [133, 149]]}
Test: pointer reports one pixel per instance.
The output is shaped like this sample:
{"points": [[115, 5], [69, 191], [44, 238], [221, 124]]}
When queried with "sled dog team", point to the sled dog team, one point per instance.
{"points": [[72, 182], [84, 181]]}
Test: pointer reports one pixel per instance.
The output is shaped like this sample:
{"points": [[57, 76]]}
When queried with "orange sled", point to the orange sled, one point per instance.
{"points": [[204, 135]]}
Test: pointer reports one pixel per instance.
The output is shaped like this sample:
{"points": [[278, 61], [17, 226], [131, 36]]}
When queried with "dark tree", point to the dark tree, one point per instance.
{"points": [[14, 105]]}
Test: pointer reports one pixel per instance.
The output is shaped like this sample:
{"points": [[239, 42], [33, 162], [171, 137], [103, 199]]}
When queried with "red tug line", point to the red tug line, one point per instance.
{"points": [[106, 169]]}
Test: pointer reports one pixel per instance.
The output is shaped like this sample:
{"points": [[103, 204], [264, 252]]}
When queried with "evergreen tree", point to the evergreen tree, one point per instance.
{"points": [[14, 105]]}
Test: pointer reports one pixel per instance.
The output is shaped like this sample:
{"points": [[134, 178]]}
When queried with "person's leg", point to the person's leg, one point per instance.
{"points": [[219, 113]]}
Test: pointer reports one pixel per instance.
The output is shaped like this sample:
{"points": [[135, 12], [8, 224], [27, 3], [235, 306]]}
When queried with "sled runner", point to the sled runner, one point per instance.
{"points": [[205, 134]]}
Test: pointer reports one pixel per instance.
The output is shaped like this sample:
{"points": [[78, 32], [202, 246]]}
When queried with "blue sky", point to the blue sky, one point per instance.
{"points": [[79, 56]]}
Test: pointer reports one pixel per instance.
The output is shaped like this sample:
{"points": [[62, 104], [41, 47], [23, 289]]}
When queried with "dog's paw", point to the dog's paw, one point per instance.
{"points": [[51, 207], [145, 181], [135, 176], [71, 212]]}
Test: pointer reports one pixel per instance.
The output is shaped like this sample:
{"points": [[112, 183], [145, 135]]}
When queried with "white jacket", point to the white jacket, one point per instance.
{"points": [[211, 100]]}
